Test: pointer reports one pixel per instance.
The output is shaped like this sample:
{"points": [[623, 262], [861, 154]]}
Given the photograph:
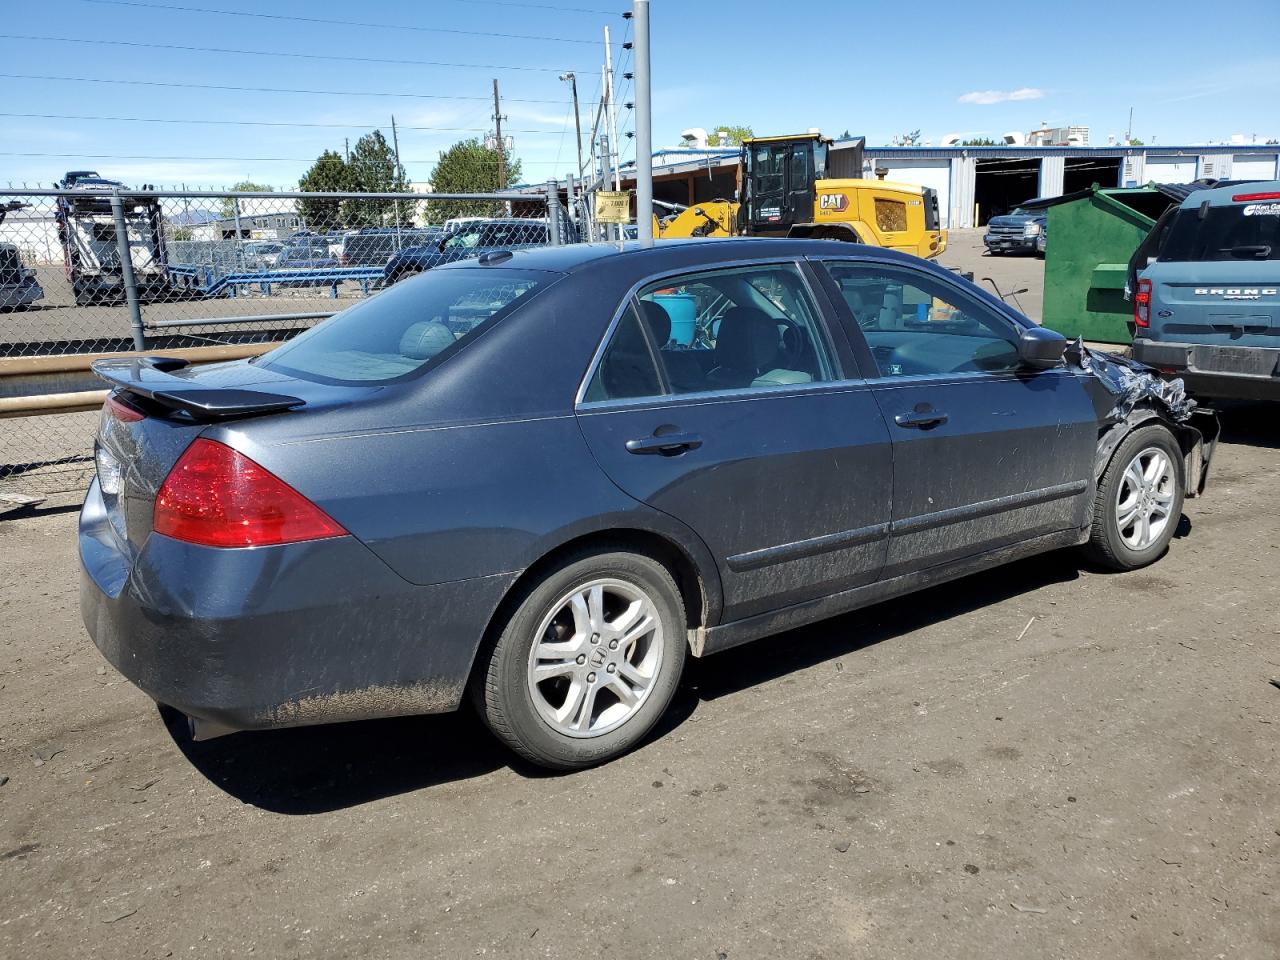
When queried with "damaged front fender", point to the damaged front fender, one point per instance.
{"points": [[1127, 394]]}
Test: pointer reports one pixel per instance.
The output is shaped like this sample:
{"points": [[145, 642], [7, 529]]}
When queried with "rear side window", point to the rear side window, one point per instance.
{"points": [[403, 329], [1248, 231]]}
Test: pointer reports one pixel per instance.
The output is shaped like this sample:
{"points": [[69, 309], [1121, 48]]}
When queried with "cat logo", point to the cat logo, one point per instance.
{"points": [[833, 202]]}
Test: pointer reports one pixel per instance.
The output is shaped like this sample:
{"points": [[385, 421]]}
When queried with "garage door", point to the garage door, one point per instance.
{"points": [[1171, 169], [1245, 166], [925, 173]]}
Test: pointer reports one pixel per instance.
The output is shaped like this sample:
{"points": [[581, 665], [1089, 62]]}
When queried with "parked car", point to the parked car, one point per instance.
{"points": [[1022, 231], [19, 287], [373, 247], [262, 254], [544, 479], [305, 254], [1207, 307], [470, 240]]}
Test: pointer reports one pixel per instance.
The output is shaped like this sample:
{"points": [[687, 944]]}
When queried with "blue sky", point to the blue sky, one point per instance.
{"points": [[877, 69]]}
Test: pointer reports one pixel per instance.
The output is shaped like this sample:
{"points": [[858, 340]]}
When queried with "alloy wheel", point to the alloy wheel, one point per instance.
{"points": [[1144, 499]]}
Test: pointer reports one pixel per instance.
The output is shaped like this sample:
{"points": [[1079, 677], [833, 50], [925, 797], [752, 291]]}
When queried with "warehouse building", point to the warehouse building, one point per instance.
{"points": [[977, 183]]}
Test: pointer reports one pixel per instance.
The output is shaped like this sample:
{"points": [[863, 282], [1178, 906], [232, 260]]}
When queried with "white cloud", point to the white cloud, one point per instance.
{"points": [[1001, 96]]}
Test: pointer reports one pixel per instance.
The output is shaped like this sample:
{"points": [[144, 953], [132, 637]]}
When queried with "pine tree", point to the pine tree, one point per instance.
{"points": [[468, 167], [374, 169], [329, 174]]}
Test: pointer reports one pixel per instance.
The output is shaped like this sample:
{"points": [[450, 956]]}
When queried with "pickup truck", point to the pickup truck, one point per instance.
{"points": [[1207, 303], [467, 241], [1022, 231]]}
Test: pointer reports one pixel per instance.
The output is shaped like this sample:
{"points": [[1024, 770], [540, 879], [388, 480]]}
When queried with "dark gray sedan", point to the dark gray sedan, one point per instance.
{"points": [[545, 479]]}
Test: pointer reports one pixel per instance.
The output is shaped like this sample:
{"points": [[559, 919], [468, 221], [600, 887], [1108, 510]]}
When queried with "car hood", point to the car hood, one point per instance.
{"points": [[1014, 220]]}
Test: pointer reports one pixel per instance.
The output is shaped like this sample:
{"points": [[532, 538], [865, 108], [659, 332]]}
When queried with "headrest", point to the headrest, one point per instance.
{"points": [[747, 340], [658, 321], [424, 339]]}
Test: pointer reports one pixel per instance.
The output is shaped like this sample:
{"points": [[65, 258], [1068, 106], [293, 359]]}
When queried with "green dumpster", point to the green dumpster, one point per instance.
{"points": [[1088, 242]]}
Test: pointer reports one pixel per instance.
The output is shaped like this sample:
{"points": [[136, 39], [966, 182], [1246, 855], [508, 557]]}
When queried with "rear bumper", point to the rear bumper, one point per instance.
{"points": [[1209, 370], [278, 636]]}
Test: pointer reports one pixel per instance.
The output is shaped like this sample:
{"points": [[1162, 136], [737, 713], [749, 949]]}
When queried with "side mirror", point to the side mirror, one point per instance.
{"points": [[1040, 348]]}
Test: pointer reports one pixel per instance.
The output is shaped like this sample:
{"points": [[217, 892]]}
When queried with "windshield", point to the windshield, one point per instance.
{"points": [[464, 240], [1240, 232], [401, 330]]}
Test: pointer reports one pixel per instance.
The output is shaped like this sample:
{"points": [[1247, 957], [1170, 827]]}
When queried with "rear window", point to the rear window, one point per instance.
{"points": [[1249, 231], [402, 330]]}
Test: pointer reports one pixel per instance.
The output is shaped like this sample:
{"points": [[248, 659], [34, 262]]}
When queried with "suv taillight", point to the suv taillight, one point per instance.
{"points": [[217, 497], [1142, 304]]}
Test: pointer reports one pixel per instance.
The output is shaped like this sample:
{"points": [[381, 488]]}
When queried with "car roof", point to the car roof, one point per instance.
{"points": [[636, 257], [1220, 196]]}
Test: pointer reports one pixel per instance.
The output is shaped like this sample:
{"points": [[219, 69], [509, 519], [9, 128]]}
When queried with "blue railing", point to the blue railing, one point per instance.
{"points": [[207, 281]]}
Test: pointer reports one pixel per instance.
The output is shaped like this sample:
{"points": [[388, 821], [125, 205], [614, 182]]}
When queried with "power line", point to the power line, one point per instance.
{"points": [[537, 6], [279, 53], [333, 23], [140, 156], [215, 86], [258, 123]]}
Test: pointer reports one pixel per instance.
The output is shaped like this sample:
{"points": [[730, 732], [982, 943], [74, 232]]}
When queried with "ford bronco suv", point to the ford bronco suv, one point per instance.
{"points": [[1207, 305]]}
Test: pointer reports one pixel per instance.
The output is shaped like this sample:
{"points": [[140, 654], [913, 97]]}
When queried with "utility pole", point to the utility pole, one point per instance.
{"points": [[644, 124], [395, 143], [577, 117], [1128, 133], [502, 148], [612, 113], [346, 148]]}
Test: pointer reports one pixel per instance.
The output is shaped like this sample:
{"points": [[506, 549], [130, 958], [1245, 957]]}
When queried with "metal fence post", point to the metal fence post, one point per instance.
{"points": [[126, 271], [644, 124], [553, 213], [571, 200]]}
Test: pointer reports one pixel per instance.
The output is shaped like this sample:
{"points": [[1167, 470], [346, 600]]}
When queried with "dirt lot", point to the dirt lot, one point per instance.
{"points": [[1039, 761]]}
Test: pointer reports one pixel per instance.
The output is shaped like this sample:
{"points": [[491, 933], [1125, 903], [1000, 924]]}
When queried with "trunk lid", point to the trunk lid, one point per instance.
{"points": [[177, 403], [1229, 303]]}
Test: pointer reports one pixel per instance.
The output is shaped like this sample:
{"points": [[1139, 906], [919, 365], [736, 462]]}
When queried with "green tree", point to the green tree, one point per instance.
{"points": [[329, 174], [244, 186], [373, 168], [1135, 142], [468, 167], [980, 142], [736, 135]]}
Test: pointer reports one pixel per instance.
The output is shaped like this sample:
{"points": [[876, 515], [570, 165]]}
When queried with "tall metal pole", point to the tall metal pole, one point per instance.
{"points": [[502, 149], [577, 116], [553, 213], [605, 172], [644, 124], [612, 113], [125, 252], [395, 142]]}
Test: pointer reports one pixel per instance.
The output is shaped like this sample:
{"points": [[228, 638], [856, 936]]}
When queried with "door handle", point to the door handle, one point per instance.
{"points": [[921, 418], [668, 445]]}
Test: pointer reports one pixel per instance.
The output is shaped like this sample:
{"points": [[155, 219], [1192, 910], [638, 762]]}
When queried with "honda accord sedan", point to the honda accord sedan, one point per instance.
{"points": [[541, 481]]}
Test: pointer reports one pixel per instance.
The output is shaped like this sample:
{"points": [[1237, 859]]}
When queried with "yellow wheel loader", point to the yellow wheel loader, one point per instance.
{"points": [[784, 192]]}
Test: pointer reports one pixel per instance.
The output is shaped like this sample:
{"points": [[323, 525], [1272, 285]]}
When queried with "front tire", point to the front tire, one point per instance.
{"points": [[1139, 501], [587, 663]]}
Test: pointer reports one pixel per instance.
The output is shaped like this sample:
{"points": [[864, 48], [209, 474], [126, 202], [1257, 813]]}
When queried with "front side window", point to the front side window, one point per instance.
{"points": [[917, 325], [751, 328], [402, 329]]}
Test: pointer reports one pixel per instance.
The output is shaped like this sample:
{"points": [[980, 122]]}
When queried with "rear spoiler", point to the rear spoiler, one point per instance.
{"points": [[151, 378]]}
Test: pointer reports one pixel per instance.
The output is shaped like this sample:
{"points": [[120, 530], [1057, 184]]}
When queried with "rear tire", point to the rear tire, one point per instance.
{"points": [[587, 663], [1139, 501]]}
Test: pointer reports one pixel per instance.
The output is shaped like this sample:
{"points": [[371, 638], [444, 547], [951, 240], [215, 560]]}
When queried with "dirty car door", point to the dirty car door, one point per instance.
{"points": [[722, 400], [985, 454]]}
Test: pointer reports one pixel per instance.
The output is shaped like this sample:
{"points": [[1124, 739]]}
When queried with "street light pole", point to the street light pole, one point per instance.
{"points": [[577, 118]]}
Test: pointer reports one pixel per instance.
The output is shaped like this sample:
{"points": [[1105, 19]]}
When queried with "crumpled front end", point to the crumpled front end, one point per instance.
{"points": [[1128, 393]]}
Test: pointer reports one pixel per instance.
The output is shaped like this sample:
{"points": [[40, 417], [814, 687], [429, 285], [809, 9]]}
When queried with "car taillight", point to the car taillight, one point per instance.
{"points": [[1142, 304], [1269, 195], [117, 408], [218, 497]]}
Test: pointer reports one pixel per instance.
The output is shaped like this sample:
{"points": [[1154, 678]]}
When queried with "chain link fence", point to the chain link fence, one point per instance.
{"points": [[91, 268]]}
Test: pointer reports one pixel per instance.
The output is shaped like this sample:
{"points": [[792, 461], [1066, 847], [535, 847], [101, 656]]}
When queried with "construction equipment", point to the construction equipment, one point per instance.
{"points": [[784, 192]]}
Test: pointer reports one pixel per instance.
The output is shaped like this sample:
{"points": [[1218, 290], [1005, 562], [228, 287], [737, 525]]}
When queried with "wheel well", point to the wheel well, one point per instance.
{"points": [[682, 569], [832, 231]]}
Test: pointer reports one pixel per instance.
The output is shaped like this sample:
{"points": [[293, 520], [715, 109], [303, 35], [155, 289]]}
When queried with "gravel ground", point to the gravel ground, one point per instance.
{"points": [[1038, 761]]}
